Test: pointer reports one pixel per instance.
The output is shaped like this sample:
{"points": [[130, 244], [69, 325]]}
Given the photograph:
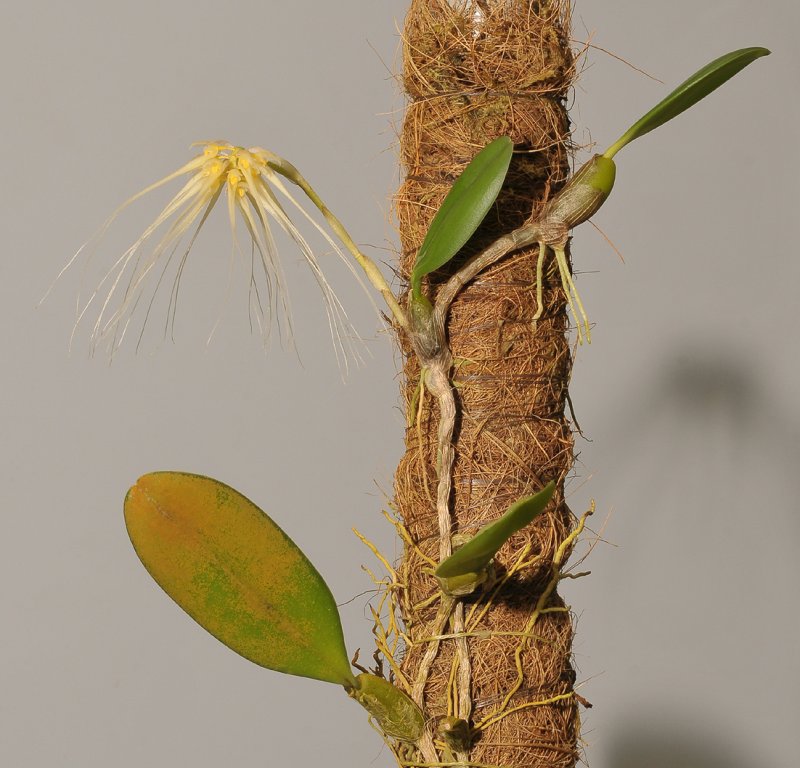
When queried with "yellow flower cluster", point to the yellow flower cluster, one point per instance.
{"points": [[253, 180]]}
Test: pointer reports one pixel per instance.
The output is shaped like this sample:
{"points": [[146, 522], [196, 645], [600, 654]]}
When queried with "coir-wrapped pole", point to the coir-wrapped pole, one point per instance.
{"points": [[475, 70]]}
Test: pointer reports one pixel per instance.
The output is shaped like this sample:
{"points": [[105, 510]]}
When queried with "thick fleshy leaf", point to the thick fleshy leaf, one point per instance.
{"points": [[477, 553], [236, 573], [464, 208], [688, 93]]}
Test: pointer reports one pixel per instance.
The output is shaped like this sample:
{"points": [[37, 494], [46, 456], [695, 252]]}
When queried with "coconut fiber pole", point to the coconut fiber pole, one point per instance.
{"points": [[495, 683]]}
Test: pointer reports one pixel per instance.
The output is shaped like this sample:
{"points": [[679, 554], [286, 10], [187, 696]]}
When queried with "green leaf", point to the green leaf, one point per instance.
{"points": [[686, 95], [237, 574], [464, 208], [477, 553]]}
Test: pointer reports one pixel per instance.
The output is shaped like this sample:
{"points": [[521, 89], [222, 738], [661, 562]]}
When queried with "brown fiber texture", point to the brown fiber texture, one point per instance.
{"points": [[473, 71]]}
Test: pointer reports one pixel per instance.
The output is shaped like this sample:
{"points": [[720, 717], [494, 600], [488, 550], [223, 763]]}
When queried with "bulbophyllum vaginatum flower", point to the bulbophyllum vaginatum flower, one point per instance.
{"points": [[253, 183]]}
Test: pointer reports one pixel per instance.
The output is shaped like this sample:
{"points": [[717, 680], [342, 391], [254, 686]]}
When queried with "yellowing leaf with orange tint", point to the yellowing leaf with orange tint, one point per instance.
{"points": [[236, 573]]}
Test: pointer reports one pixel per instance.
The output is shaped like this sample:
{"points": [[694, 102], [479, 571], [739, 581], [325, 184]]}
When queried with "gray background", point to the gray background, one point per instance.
{"points": [[687, 627]]}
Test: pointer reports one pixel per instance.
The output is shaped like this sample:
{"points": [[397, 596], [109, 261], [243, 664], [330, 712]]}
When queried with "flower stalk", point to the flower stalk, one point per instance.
{"points": [[252, 182]]}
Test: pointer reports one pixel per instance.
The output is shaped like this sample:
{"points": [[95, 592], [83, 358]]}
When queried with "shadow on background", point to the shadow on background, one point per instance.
{"points": [[708, 402], [707, 443], [697, 383], [645, 745]]}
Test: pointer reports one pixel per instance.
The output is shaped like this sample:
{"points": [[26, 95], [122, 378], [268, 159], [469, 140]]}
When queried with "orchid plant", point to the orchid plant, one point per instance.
{"points": [[215, 553]]}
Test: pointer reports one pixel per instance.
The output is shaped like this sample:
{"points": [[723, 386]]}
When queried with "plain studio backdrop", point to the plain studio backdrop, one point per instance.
{"points": [[687, 397]]}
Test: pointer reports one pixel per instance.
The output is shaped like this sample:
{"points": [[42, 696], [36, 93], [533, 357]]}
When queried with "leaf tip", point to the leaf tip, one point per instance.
{"points": [[702, 83], [134, 498]]}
